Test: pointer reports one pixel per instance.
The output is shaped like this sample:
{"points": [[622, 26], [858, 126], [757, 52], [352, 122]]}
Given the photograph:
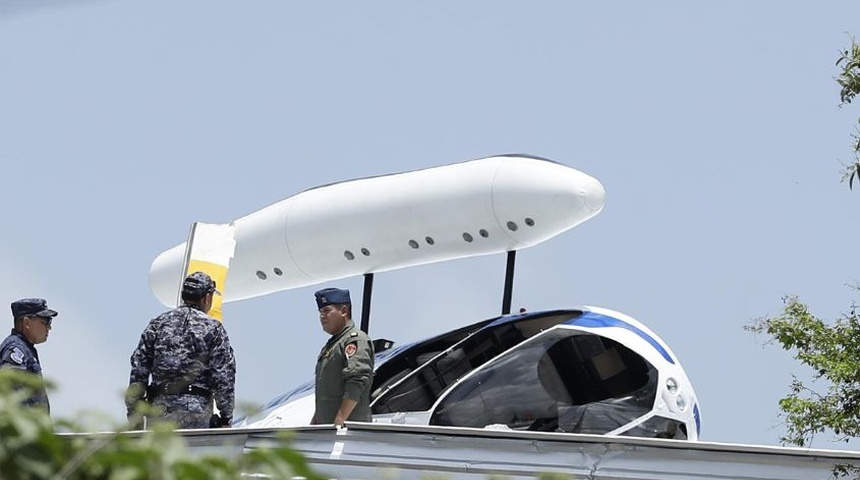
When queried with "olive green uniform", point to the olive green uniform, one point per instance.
{"points": [[344, 371]]}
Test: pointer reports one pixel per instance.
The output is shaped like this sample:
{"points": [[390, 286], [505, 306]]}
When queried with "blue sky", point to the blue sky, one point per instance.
{"points": [[714, 127]]}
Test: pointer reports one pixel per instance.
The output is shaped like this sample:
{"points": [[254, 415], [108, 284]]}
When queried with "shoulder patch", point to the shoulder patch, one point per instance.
{"points": [[17, 356], [350, 350]]}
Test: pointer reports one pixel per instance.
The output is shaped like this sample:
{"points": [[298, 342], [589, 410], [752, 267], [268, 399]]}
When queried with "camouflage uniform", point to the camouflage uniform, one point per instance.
{"points": [[17, 352], [188, 355], [344, 371]]}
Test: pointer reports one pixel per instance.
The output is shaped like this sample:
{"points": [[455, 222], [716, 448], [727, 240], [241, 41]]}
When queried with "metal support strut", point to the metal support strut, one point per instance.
{"points": [[365, 302], [509, 282]]}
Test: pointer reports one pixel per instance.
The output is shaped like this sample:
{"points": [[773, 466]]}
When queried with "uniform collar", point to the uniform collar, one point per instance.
{"points": [[347, 327], [192, 307], [22, 337]]}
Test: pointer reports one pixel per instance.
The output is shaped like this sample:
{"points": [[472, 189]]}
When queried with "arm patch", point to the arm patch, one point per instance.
{"points": [[17, 356]]}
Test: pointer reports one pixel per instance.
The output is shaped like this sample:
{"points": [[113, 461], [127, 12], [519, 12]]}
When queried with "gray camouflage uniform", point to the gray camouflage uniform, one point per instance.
{"points": [[188, 355], [17, 352], [344, 371]]}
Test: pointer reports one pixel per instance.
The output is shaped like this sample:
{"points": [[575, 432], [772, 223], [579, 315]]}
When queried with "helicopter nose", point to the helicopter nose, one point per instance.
{"points": [[593, 194]]}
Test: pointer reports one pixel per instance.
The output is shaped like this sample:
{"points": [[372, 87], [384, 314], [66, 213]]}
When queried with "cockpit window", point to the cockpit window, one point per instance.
{"points": [[415, 380], [564, 380], [406, 362]]}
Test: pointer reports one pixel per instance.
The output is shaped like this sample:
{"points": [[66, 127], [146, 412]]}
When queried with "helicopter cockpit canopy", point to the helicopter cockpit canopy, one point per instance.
{"points": [[587, 370]]}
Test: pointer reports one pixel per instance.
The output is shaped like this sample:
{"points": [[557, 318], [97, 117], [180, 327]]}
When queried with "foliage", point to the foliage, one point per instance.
{"points": [[31, 450], [832, 352], [849, 80]]}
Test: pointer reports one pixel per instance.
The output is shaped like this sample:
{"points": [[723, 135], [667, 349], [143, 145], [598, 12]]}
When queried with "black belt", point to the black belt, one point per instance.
{"points": [[158, 390]]}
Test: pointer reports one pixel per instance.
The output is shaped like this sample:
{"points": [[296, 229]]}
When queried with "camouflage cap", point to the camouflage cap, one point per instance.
{"points": [[332, 296], [198, 284], [32, 306]]}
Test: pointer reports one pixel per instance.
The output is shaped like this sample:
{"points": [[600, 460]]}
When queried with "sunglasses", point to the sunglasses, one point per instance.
{"points": [[46, 321]]}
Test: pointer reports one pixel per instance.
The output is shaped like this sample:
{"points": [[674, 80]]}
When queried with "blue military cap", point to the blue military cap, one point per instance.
{"points": [[32, 306], [332, 296], [199, 284]]}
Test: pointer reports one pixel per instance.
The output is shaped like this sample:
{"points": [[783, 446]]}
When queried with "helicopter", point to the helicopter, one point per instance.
{"points": [[585, 369]]}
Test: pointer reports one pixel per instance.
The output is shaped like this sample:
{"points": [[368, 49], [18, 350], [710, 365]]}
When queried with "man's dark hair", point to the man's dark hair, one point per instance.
{"points": [[191, 299]]}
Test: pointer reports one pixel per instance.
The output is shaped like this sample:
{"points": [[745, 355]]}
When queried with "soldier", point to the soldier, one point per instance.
{"points": [[344, 370], [188, 357], [32, 323]]}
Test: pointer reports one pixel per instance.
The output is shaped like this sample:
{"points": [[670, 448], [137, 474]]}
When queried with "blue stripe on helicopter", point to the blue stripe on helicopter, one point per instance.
{"points": [[698, 419], [596, 320]]}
